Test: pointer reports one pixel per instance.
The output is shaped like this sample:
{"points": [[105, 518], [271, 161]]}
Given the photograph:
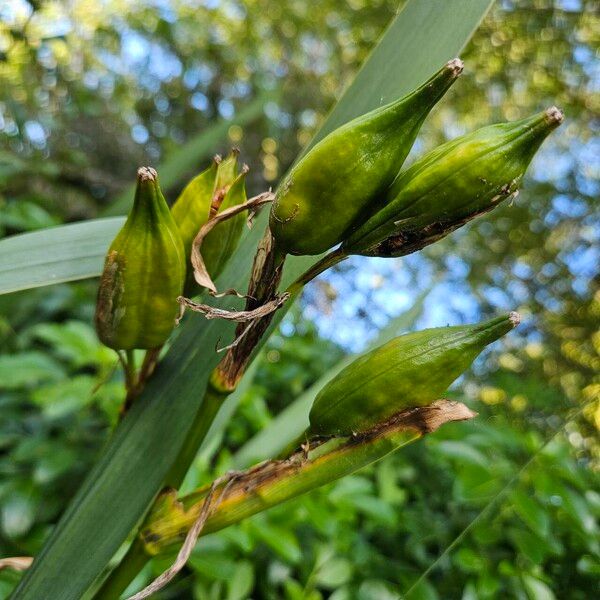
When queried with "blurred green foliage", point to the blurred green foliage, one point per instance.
{"points": [[57, 397], [89, 91]]}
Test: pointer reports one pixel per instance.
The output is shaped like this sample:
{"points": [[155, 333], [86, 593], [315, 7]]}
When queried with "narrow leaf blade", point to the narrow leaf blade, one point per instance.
{"points": [[55, 255], [421, 39]]}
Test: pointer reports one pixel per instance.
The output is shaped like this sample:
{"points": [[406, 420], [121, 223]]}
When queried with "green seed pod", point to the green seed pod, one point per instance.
{"points": [[341, 179], [215, 189], [192, 207], [220, 243], [143, 273], [227, 170], [410, 370], [453, 184]]}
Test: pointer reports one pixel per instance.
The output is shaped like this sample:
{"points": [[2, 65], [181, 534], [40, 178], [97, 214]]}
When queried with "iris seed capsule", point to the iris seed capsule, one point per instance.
{"points": [[453, 184], [343, 178], [143, 273], [212, 191], [411, 370]]}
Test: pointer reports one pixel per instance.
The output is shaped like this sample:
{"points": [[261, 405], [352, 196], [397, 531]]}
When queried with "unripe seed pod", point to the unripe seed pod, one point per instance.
{"points": [[215, 189], [220, 243], [410, 370], [143, 273], [227, 170], [192, 207], [345, 175], [451, 185]]}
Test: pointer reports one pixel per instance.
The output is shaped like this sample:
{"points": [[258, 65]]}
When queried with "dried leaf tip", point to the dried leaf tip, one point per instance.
{"points": [[456, 66], [514, 318], [146, 174], [554, 115], [430, 418]]}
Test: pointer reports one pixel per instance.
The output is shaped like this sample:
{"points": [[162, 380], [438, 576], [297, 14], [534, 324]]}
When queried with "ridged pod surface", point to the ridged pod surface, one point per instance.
{"points": [[410, 370], [143, 273], [215, 189], [456, 182], [220, 244], [344, 176]]}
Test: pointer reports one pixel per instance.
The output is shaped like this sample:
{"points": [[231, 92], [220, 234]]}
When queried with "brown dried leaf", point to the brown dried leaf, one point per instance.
{"points": [[241, 316], [18, 563], [201, 274], [208, 507]]}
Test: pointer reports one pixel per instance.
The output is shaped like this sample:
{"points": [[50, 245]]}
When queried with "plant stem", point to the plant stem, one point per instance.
{"points": [[265, 277], [135, 382], [125, 358], [273, 482], [213, 400], [131, 381], [211, 403], [132, 563], [148, 365], [130, 354], [328, 261]]}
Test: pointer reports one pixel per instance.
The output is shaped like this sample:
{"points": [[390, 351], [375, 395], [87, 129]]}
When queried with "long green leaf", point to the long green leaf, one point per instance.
{"points": [[128, 475], [322, 464], [55, 255], [424, 35]]}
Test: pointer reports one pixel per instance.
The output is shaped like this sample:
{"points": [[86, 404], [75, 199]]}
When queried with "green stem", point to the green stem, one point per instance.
{"points": [[126, 360], [136, 557], [131, 380], [133, 562], [130, 354], [148, 365], [213, 398], [211, 403], [274, 482], [135, 382], [328, 261]]}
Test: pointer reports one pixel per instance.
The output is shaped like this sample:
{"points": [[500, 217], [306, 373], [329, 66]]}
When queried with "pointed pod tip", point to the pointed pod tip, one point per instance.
{"points": [[554, 115], [146, 174], [514, 318], [456, 66]]}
